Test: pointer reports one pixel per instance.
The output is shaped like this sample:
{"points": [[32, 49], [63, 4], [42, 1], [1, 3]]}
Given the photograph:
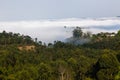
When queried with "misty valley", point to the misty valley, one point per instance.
{"points": [[59, 39]]}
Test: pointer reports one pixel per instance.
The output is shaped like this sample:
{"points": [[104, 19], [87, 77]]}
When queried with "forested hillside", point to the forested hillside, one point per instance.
{"points": [[98, 59]]}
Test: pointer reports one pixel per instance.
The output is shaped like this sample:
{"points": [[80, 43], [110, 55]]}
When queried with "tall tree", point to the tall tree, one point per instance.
{"points": [[77, 32]]}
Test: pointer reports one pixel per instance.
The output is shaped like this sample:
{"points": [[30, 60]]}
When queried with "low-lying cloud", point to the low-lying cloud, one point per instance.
{"points": [[51, 30]]}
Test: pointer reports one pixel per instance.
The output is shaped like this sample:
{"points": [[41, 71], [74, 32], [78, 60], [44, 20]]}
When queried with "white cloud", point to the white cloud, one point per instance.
{"points": [[50, 30]]}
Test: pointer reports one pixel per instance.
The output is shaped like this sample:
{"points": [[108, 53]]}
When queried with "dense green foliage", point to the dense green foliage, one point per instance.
{"points": [[14, 38], [96, 60]]}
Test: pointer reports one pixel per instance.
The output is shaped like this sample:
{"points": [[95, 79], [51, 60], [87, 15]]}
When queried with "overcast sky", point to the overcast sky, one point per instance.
{"points": [[45, 19], [12, 10]]}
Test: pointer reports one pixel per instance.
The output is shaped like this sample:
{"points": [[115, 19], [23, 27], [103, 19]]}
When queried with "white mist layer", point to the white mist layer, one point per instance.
{"points": [[51, 30]]}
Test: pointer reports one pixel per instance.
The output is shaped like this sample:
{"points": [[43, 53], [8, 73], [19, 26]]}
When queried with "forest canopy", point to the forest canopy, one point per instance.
{"points": [[98, 59]]}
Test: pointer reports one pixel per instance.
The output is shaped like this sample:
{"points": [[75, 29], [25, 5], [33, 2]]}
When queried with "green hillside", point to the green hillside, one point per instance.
{"points": [[98, 59]]}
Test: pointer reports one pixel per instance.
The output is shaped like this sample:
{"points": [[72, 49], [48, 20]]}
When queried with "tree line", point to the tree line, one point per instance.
{"points": [[98, 59]]}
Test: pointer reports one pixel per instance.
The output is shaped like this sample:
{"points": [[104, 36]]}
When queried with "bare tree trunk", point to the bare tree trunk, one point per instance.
{"points": [[62, 76]]}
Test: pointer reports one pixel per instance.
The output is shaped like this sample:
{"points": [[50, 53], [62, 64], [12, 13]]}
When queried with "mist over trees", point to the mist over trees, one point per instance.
{"points": [[79, 37], [98, 59]]}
